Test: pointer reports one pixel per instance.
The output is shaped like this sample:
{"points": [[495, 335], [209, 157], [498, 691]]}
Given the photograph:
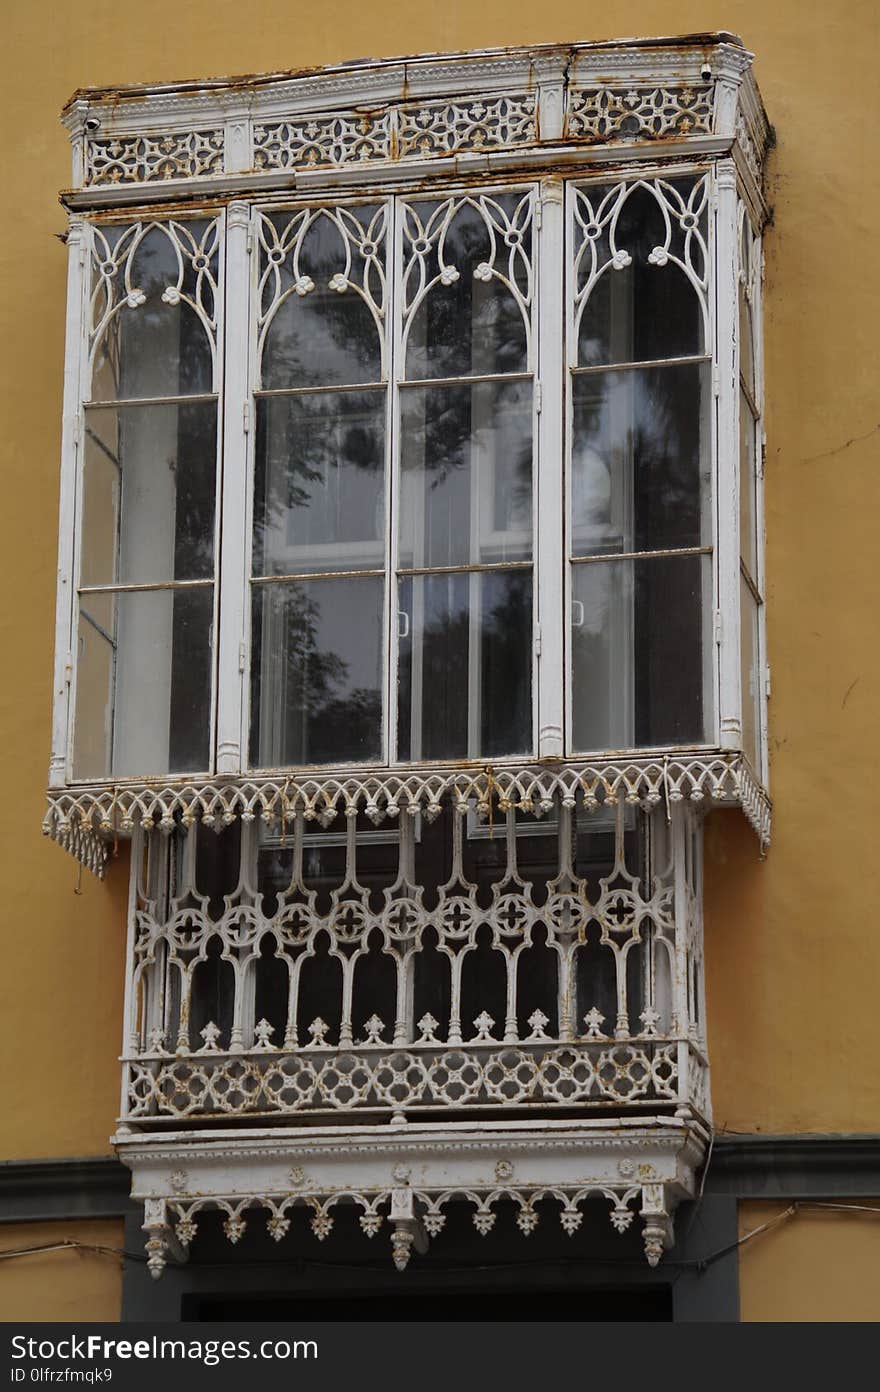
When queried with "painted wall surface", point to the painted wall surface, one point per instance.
{"points": [[792, 959], [820, 1264], [70, 1285]]}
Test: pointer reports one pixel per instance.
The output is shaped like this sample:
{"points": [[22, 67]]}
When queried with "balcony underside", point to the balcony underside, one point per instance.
{"points": [[401, 1178]]}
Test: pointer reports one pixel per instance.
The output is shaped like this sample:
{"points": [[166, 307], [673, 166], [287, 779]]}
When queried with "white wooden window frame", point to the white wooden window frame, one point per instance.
{"points": [[237, 379]]}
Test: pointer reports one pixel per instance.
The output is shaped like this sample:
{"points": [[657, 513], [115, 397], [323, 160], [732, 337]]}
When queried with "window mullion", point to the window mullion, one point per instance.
{"points": [[394, 370], [549, 486], [727, 458], [75, 360], [231, 574]]}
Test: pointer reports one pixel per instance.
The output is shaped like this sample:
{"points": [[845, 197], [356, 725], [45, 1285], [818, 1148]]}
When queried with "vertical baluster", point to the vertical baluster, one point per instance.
{"points": [[181, 878], [348, 964], [404, 1025], [567, 937], [457, 960], [682, 990], [621, 1029], [511, 1033], [648, 950], [294, 968], [244, 959]]}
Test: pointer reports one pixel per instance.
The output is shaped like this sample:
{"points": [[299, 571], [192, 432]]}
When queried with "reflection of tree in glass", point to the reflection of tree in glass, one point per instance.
{"points": [[320, 720], [649, 420], [442, 420], [325, 456], [326, 335], [644, 310]]}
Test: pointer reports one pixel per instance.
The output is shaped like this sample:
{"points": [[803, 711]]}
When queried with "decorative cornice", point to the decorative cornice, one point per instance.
{"points": [[85, 819], [808, 1166], [484, 100]]}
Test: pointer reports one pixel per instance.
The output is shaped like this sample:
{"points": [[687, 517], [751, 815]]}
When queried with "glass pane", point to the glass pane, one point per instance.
{"points": [[640, 652], [640, 459], [746, 324], [316, 672], [470, 321], [646, 309], [465, 665], [155, 343], [466, 461], [746, 349], [322, 283], [149, 481], [162, 679], [751, 704], [94, 689], [748, 531], [319, 493]]}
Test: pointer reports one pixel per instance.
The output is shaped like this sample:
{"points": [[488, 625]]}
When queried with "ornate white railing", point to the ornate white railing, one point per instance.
{"points": [[488, 960]]}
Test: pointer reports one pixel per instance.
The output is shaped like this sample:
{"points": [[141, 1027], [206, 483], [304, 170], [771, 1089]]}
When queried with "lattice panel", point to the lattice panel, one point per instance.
{"points": [[323, 139], [444, 128], [135, 159], [603, 113]]}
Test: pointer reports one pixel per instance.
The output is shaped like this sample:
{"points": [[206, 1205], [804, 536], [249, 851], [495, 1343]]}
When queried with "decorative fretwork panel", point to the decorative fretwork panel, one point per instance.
{"points": [[136, 159], [323, 139], [603, 113], [479, 961], [445, 128]]}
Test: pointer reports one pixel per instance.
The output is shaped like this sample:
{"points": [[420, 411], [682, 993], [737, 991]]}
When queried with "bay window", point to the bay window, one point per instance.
{"points": [[410, 614]]}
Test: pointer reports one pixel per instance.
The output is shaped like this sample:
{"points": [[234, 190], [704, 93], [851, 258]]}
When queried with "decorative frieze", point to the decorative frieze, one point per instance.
{"points": [[362, 1080], [424, 108]]}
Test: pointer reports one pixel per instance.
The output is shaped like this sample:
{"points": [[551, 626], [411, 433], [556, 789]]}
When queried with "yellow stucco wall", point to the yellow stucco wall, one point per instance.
{"points": [[792, 955], [71, 1285], [820, 1264]]}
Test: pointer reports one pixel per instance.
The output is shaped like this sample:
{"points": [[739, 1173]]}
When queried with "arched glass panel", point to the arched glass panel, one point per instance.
{"points": [[154, 294], [148, 488], [322, 297], [466, 477], [319, 512], [640, 514], [467, 285]]}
